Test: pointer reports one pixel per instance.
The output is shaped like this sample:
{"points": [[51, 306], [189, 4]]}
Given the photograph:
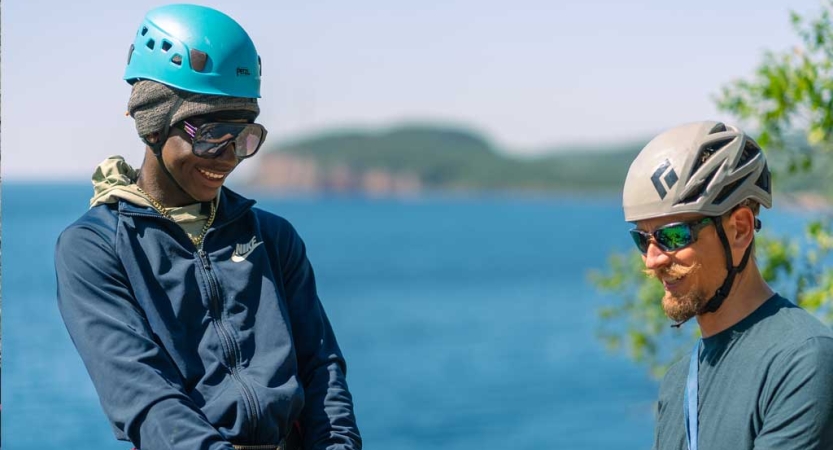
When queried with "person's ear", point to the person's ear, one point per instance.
{"points": [[741, 231]]}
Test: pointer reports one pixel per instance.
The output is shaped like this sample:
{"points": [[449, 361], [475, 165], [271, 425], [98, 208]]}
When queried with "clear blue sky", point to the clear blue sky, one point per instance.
{"points": [[529, 74]]}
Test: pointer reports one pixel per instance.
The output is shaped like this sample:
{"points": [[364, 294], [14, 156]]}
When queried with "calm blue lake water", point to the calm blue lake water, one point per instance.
{"points": [[467, 323]]}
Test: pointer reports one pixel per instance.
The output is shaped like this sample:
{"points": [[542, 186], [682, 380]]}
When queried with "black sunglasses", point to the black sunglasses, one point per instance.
{"points": [[209, 139], [671, 237]]}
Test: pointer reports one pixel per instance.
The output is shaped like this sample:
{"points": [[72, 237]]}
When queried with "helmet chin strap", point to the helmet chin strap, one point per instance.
{"points": [[156, 147], [714, 303]]}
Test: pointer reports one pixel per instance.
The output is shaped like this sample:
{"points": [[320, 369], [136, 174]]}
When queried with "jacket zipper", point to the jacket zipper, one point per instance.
{"points": [[228, 341], [225, 336]]}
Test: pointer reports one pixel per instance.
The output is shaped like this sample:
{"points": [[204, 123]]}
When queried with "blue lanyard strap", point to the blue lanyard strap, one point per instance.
{"points": [[690, 403]]}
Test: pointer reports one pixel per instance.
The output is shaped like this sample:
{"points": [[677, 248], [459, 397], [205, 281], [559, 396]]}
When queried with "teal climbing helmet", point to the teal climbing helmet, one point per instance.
{"points": [[196, 49]]}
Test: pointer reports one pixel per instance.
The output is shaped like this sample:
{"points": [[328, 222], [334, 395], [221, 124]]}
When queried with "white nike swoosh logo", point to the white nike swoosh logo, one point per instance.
{"points": [[244, 250]]}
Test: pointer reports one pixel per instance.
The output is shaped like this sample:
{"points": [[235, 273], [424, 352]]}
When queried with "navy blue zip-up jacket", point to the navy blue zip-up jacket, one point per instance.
{"points": [[192, 349]]}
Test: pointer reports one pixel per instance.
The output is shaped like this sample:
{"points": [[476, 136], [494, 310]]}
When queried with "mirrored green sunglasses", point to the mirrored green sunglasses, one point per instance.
{"points": [[671, 237]]}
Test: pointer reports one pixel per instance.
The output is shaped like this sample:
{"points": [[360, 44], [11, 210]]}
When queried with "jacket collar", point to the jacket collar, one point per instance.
{"points": [[232, 206]]}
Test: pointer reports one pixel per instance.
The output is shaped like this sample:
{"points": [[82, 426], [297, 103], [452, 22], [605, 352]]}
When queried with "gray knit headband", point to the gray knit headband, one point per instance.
{"points": [[151, 106]]}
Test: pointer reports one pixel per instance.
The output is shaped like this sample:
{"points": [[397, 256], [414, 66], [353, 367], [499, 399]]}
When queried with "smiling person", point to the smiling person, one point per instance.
{"points": [[195, 313], [761, 375]]}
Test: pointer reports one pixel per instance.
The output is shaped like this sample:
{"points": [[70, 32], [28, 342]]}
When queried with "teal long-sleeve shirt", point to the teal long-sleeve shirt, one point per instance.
{"points": [[764, 383]]}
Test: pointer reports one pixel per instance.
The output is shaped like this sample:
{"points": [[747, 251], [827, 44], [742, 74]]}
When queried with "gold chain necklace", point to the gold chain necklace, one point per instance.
{"points": [[197, 240]]}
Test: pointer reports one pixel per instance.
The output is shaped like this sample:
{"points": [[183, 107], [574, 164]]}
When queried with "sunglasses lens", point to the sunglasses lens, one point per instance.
{"points": [[641, 240], [249, 140], [212, 138], [674, 237]]}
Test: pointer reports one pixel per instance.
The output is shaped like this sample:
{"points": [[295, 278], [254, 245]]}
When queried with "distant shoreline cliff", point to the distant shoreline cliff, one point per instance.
{"points": [[410, 159]]}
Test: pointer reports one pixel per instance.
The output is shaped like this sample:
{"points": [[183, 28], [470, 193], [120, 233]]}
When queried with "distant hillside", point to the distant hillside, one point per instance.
{"points": [[413, 158]]}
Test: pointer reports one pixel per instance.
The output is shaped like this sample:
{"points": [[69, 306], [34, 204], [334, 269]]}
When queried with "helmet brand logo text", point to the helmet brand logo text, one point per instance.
{"points": [[243, 71]]}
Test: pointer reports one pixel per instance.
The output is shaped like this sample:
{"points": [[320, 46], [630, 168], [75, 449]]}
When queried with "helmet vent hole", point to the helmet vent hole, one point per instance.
{"points": [[130, 54], [144, 31], [763, 181], [707, 151], [166, 45], [198, 60], [150, 43], [728, 190], [719, 128], [698, 192], [750, 150], [177, 59], [259, 67]]}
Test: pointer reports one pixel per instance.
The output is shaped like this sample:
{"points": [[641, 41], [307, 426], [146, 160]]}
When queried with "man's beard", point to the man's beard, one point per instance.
{"points": [[680, 308]]}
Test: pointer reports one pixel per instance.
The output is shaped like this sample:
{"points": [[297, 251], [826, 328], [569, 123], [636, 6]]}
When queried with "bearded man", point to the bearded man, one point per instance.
{"points": [[761, 377]]}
